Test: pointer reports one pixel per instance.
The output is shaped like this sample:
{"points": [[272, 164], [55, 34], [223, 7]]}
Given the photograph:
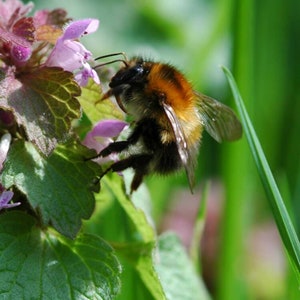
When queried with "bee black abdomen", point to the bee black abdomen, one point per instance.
{"points": [[167, 159], [165, 156]]}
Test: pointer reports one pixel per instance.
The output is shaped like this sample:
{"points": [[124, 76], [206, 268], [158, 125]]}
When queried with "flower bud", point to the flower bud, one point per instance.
{"points": [[20, 54]]}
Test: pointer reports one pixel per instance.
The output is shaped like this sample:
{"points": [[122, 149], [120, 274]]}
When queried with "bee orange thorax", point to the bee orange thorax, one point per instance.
{"points": [[178, 92]]}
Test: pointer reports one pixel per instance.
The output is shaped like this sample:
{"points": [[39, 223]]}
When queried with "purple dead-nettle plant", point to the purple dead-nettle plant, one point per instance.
{"points": [[25, 40], [71, 55], [42, 68], [48, 38], [16, 32]]}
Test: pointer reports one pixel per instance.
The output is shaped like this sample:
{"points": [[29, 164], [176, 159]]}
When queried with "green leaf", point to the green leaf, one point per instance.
{"points": [[44, 103], [139, 252], [280, 213], [140, 257], [105, 109], [57, 187], [37, 265], [143, 230], [176, 271]]}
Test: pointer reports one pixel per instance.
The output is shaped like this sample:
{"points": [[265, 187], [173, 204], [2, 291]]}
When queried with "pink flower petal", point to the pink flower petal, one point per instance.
{"points": [[108, 128], [5, 197], [41, 17], [85, 73], [13, 10], [101, 135], [68, 54], [79, 28]]}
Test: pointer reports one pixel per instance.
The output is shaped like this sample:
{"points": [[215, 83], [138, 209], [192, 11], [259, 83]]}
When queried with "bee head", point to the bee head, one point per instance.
{"points": [[133, 74]]}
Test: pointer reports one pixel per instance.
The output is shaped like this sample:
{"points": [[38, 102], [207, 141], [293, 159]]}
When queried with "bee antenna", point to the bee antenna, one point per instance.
{"points": [[124, 61], [113, 54], [111, 62]]}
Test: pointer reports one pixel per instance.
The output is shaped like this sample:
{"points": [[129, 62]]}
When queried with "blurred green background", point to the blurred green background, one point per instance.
{"points": [[242, 256]]}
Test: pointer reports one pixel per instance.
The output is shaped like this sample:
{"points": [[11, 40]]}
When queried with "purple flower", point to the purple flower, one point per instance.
{"points": [[12, 10], [71, 55], [20, 54], [86, 72], [5, 197], [30, 42], [16, 31], [102, 134], [25, 42]]}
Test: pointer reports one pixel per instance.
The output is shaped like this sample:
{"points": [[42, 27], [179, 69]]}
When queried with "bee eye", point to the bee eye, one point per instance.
{"points": [[138, 70], [135, 74]]}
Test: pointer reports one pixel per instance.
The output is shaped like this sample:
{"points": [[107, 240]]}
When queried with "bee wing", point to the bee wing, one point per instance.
{"points": [[181, 143], [218, 119]]}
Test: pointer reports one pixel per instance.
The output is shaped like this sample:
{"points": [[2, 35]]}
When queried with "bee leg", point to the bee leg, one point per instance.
{"points": [[118, 147], [140, 164], [115, 147], [137, 180]]}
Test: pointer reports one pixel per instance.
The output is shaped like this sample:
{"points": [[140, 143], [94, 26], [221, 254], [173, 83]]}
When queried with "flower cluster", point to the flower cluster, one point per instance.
{"points": [[72, 55], [43, 68], [46, 39]]}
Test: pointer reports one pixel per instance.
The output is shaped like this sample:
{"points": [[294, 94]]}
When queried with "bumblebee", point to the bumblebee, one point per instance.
{"points": [[169, 119]]}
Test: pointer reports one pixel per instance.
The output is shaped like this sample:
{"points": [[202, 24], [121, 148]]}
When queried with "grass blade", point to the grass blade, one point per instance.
{"points": [[199, 228], [280, 213]]}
